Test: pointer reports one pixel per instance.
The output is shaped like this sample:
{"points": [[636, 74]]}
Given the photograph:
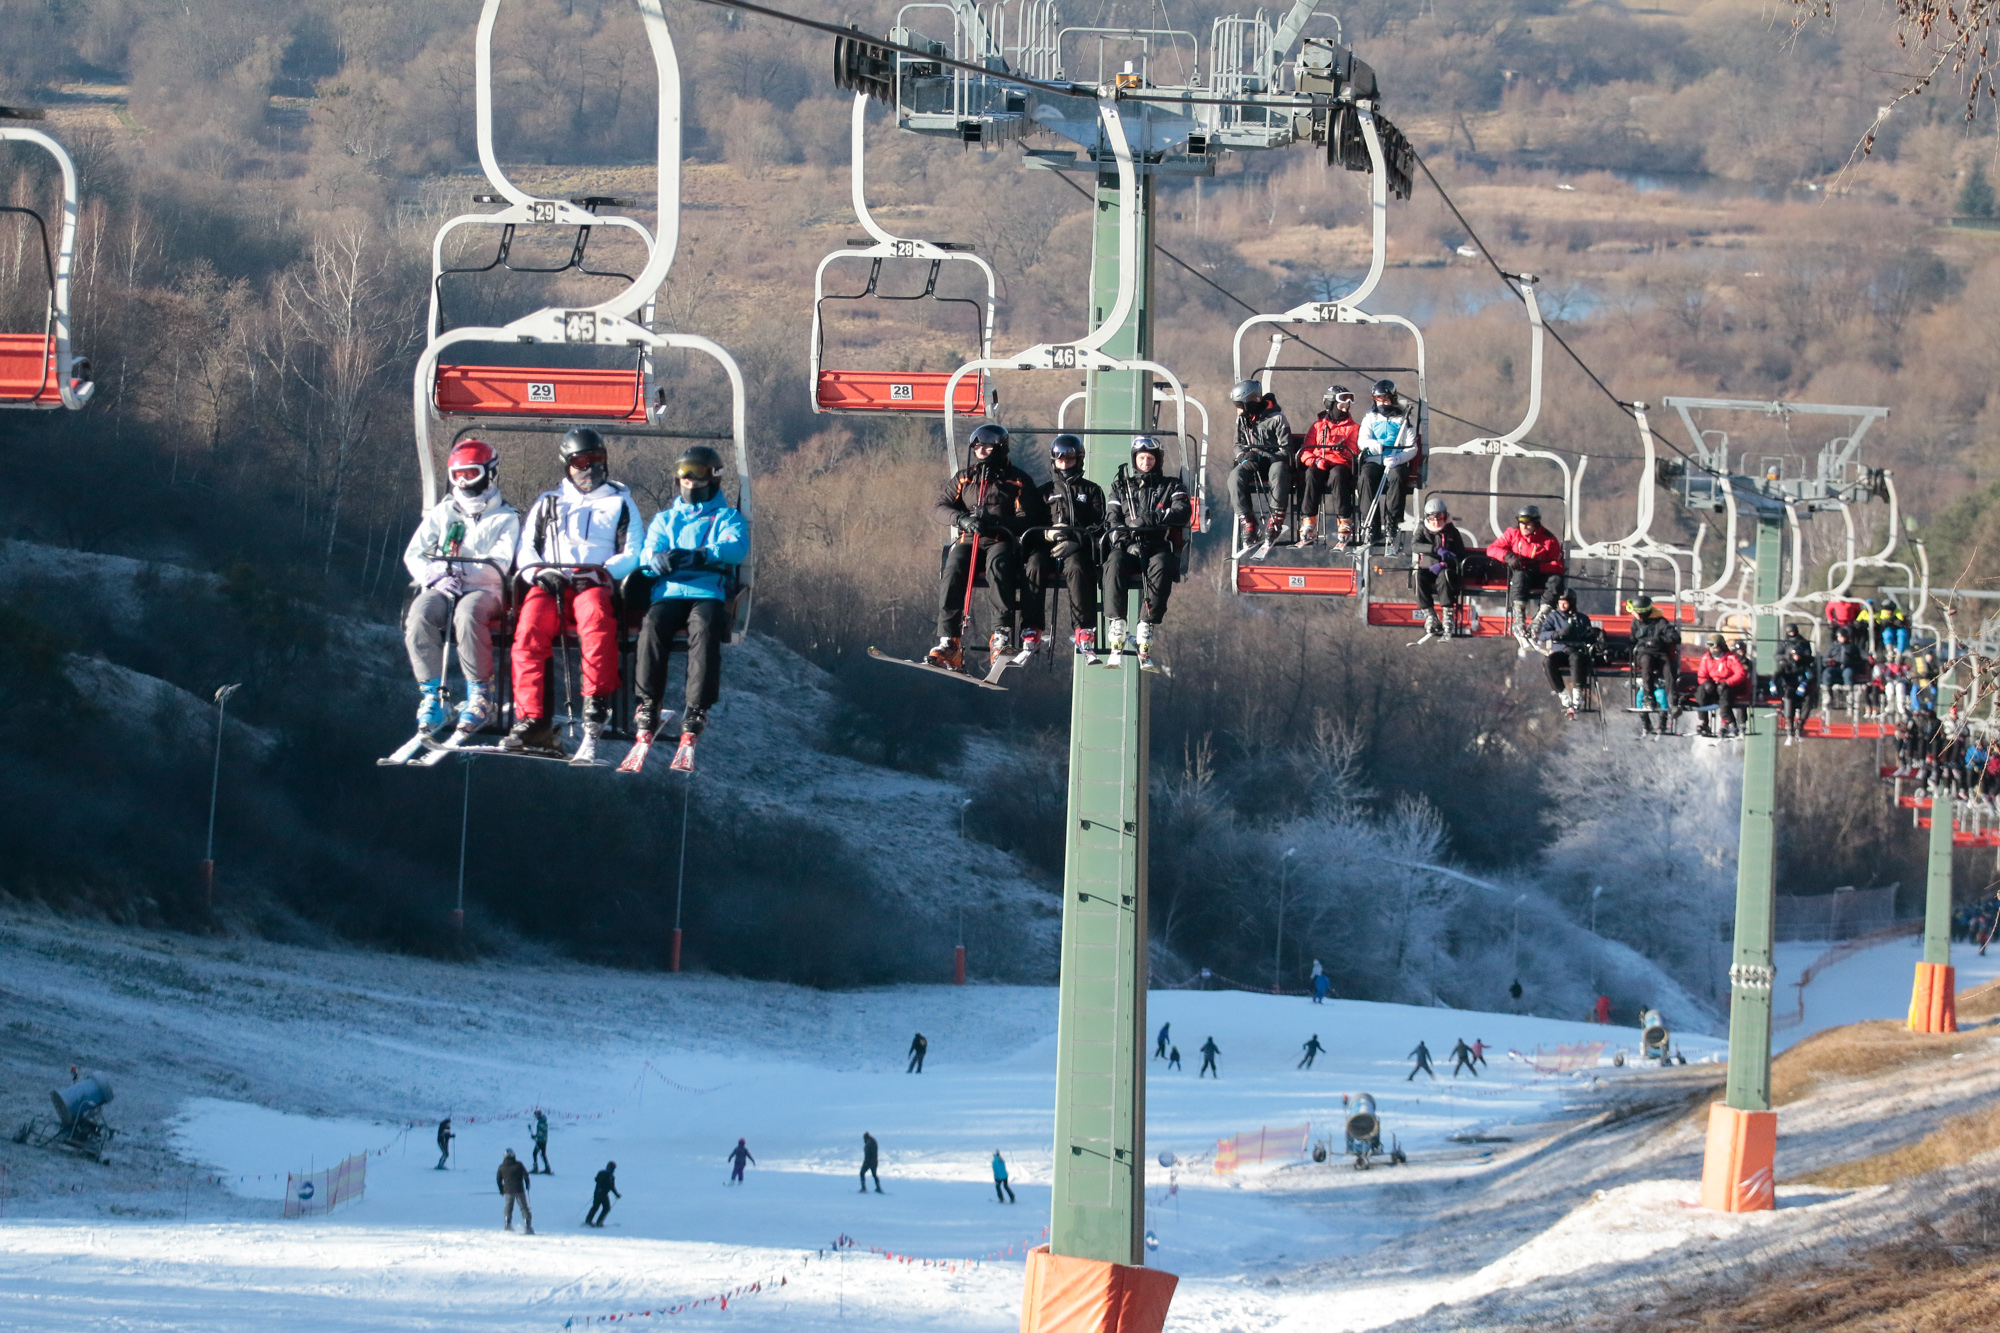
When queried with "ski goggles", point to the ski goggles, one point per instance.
{"points": [[465, 476], [584, 462], [695, 472], [1436, 520], [1341, 397]]}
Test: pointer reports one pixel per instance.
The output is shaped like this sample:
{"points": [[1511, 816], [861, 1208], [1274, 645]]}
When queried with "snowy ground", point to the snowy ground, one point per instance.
{"points": [[1871, 983], [243, 1061]]}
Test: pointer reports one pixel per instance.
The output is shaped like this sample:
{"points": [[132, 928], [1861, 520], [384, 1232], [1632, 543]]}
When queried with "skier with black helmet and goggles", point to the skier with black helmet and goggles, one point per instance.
{"points": [[1534, 560], [693, 549], [576, 542], [1146, 510], [1065, 553], [1263, 454], [990, 506], [459, 559], [1388, 443]]}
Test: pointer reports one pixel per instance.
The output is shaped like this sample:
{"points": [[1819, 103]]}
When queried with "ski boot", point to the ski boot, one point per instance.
{"points": [[596, 712], [1031, 643], [1308, 532], [1391, 546], [1433, 625], [999, 645], [1086, 647], [697, 720], [532, 733], [1246, 534], [947, 654], [1145, 644], [1343, 533], [1274, 531], [433, 714], [478, 710], [1114, 641]]}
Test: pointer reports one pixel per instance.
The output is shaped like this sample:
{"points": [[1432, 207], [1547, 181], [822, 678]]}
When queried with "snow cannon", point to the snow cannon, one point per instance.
{"points": [[78, 1104], [1363, 1124], [1653, 1036]]}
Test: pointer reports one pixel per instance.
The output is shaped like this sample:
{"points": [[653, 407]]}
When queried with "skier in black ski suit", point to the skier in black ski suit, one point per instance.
{"points": [[1795, 681], [918, 1045], [1066, 553], [541, 1153], [1463, 1055], [1148, 513], [1160, 1051], [1312, 1048], [445, 1136], [1656, 643], [600, 1197], [739, 1157], [1569, 638], [1209, 1050], [992, 500], [1440, 564], [1264, 452], [1174, 1058], [870, 1157], [1422, 1055]]}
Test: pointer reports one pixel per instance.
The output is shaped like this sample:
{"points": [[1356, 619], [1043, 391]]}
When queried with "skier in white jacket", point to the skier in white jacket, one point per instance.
{"points": [[456, 590], [587, 521], [1388, 445]]}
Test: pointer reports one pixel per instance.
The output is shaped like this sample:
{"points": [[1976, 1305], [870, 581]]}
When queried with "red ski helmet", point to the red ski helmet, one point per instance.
{"points": [[471, 466]]}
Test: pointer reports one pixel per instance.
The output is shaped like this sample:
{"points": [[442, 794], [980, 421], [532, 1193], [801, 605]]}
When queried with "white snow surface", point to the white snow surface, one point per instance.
{"points": [[341, 1052], [1873, 982]]}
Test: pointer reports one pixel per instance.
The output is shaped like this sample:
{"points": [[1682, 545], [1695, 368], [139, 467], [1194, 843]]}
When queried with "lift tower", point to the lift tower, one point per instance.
{"points": [[1011, 70]]}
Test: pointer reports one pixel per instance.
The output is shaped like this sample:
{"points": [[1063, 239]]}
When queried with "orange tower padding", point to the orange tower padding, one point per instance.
{"points": [[1736, 1173], [1065, 1295], [1934, 999]]}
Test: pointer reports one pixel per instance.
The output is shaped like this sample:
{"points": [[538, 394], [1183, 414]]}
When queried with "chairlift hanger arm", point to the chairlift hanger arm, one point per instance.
{"points": [[56, 324]]}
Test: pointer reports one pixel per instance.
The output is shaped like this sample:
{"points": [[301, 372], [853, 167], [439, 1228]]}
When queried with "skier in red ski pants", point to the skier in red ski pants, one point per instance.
{"points": [[587, 611]]}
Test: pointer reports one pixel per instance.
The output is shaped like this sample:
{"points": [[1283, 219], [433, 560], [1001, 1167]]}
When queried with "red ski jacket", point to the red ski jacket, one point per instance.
{"points": [[1540, 548], [1330, 443], [1725, 669]]}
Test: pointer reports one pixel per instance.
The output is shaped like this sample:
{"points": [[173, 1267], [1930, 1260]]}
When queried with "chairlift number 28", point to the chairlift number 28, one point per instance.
{"points": [[580, 326]]}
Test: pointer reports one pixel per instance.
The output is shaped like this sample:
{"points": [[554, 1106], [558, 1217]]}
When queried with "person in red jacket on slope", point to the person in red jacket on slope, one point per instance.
{"points": [[1534, 559], [1719, 683]]}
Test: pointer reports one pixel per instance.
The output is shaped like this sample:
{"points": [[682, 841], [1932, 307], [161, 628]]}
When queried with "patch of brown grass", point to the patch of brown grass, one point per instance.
{"points": [[1957, 1140], [1920, 1286], [1860, 1050]]}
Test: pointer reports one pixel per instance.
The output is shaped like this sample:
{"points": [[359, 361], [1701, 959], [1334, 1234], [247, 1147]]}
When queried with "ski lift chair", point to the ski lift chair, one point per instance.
{"points": [[552, 398], [895, 391], [37, 370]]}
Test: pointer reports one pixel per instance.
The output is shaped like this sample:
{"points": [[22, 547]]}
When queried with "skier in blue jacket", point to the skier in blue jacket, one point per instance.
{"points": [[693, 548]]}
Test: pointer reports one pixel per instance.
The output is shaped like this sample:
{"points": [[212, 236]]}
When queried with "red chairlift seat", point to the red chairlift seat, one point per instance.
{"points": [[897, 391], [29, 376], [582, 393]]}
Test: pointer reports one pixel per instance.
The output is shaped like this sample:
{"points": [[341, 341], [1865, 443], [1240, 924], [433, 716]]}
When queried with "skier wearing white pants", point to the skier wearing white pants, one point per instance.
{"points": [[456, 593]]}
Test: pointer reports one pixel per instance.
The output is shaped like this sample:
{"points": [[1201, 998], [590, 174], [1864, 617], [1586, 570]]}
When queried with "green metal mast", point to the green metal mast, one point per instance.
{"points": [[1098, 1211], [1750, 978], [1937, 878]]}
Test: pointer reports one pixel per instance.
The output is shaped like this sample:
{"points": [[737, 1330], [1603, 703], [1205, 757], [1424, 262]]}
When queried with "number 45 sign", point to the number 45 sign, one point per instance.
{"points": [[580, 326]]}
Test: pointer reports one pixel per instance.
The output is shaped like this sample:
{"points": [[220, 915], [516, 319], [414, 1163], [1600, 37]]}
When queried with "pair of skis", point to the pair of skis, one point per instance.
{"points": [[642, 746], [990, 681]]}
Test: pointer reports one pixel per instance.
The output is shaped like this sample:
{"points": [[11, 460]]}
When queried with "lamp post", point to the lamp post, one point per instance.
{"points": [[214, 788], [1278, 954]]}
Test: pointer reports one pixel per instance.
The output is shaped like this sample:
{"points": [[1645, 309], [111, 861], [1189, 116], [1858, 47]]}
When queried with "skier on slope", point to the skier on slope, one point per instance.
{"points": [[693, 550], [1331, 449], [458, 591], [1065, 553], [1319, 983], [1003, 1192], [1160, 1050], [540, 1157], [1174, 1058], [1147, 512], [577, 541], [918, 1045], [512, 1178], [1209, 1050], [991, 505], [1312, 1048], [871, 1155], [1388, 447], [1461, 1055], [601, 1194], [1263, 454], [1478, 1049], [444, 1136], [738, 1158], [1422, 1056]]}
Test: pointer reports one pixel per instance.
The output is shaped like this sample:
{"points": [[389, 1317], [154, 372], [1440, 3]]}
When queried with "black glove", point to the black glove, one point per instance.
{"points": [[1514, 560], [1121, 536], [550, 580], [678, 560], [968, 524]]}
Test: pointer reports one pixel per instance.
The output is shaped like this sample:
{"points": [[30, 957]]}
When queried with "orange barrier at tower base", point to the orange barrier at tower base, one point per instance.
{"points": [[1736, 1172], [1934, 999], [1065, 1295]]}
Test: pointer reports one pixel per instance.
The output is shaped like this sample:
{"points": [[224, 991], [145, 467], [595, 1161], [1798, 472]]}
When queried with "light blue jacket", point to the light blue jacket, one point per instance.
{"points": [[712, 527]]}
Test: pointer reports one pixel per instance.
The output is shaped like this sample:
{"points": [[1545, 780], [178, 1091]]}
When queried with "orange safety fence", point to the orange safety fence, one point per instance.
{"points": [[1244, 1149]]}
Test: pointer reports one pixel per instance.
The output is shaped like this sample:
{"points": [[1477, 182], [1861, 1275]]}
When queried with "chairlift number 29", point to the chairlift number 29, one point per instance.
{"points": [[580, 326]]}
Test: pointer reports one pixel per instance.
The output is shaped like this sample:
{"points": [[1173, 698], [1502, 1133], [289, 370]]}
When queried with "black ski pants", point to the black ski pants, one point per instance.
{"points": [[1006, 583], [1795, 695], [916, 1065], [1722, 698], [1464, 1062], [1576, 661], [1072, 566], [1337, 481], [1451, 582], [701, 617], [1381, 496], [1147, 563], [540, 1157], [1002, 1191], [1255, 469], [1524, 584], [1207, 1067], [867, 1170], [600, 1208]]}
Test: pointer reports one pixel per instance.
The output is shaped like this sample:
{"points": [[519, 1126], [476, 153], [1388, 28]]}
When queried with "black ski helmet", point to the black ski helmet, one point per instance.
{"points": [[583, 447], [703, 466], [1528, 511], [994, 434], [1385, 389], [1246, 393], [1335, 394], [1149, 444], [1066, 449]]}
